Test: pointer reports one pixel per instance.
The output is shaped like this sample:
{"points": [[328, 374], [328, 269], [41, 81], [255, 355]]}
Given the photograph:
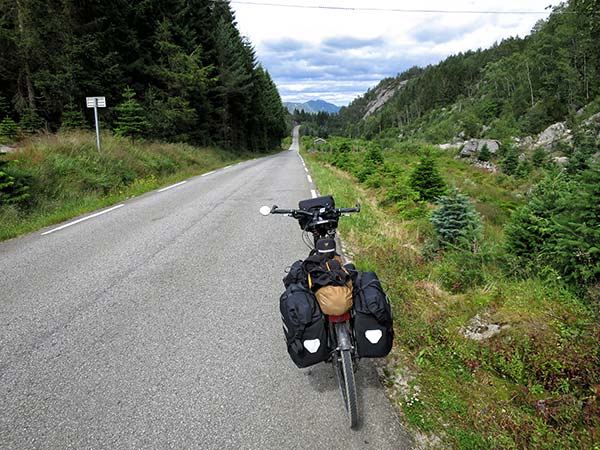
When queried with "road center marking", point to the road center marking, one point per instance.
{"points": [[84, 218], [172, 186]]}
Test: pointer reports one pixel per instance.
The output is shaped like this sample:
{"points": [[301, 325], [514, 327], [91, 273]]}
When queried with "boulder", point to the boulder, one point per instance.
{"points": [[551, 136], [485, 165], [448, 146], [562, 161], [5, 149], [474, 146], [526, 143]]}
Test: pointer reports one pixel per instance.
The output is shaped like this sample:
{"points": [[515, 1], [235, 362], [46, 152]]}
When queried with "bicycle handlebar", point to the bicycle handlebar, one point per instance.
{"points": [[300, 212]]}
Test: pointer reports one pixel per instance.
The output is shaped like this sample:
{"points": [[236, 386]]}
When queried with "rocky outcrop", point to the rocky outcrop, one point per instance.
{"points": [[592, 121], [383, 94], [553, 135], [474, 146]]}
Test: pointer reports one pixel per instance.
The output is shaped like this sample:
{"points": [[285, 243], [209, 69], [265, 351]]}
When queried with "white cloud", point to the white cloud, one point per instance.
{"points": [[337, 55]]}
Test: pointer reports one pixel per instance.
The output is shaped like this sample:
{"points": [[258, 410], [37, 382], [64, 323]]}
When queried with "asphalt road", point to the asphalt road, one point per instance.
{"points": [[156, 326]]}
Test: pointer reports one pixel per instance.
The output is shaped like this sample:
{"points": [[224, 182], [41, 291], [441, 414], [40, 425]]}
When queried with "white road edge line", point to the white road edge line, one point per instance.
{"points": [[309, 178], [313, 193], [207, 173], [84, 218], [172, 186]]}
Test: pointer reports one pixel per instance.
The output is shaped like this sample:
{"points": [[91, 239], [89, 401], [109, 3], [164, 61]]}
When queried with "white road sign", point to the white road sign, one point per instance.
{"points": [[98, 102]]}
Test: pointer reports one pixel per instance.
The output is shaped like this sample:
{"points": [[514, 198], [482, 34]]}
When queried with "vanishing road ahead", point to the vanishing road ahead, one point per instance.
{"points": [[156, 325]]}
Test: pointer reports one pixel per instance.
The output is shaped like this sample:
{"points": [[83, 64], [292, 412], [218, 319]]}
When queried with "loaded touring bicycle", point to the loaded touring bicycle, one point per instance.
{"points": [[332, 312]]}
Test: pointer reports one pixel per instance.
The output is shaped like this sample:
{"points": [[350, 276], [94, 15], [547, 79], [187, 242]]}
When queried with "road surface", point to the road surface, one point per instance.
{"points": [[155, 325]]}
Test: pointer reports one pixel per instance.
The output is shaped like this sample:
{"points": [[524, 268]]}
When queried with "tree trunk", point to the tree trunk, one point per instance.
{"points": [[529, 81], [25, 54]]}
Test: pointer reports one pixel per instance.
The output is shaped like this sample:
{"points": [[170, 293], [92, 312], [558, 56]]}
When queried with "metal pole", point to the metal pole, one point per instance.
{"points": [[97, 125]]}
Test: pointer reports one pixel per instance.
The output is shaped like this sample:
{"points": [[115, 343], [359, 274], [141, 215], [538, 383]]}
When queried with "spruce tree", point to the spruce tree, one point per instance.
{"points": [[577, 249], [30, 122], [426, 181], [8, 129], [130, 116], [72, 119], [11, 190], [485, 154], [456, 221], [510, 162]]}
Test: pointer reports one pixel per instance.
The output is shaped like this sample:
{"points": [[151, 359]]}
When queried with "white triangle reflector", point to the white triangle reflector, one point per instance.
{"points": [[312, 345], [373, 336]]}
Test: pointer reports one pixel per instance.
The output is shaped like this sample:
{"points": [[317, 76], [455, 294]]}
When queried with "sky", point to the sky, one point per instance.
{"points": [[338, 54]]}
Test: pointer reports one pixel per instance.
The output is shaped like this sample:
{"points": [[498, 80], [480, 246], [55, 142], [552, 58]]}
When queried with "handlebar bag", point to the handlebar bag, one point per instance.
{"points": [[304, 326], [372, 320], [313, 204]]}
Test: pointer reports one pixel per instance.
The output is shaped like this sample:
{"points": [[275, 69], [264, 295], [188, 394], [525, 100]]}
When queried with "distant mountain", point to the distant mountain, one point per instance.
{"points": [[312, 106]]}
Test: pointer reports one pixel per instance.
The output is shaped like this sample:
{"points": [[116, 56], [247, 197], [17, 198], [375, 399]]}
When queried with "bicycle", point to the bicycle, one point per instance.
{"points": [[319, 217]]}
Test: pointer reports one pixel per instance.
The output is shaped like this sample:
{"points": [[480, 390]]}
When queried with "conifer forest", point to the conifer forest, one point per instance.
{"points": [[183, 63]]}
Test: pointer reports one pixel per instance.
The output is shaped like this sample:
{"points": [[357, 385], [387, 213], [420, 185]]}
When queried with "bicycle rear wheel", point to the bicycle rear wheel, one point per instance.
{"points": [[345, 376]]}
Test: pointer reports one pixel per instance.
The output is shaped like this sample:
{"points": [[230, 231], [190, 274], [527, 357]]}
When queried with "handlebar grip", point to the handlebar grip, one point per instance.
{"points": [[349, 210], [277, 210]]}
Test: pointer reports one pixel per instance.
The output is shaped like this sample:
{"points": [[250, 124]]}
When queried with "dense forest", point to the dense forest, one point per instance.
{"points": [[178, 70], [515, 88]]}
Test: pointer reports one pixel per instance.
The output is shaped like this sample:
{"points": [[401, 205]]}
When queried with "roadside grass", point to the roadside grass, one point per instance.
{"points": [[66, 175], [535, 384]]}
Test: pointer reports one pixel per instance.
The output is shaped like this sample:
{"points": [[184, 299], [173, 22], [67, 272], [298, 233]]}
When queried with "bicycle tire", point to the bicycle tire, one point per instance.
{"points": [[347, 384]]}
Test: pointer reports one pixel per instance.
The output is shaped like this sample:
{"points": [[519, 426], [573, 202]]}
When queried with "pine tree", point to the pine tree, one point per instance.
{"points": [[426, 181], [130, 116]]}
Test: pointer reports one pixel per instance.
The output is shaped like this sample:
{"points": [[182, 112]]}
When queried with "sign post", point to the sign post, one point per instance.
{"points": [[96, 102]]}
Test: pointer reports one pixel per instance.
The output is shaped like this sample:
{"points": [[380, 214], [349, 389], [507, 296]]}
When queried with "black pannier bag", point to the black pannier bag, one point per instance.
{"points": [[373, 327], [304, 326], [296, 275]]}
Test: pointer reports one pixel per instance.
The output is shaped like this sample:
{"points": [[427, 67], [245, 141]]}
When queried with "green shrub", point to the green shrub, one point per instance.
{"points": [[374, 155], [539, 157]]}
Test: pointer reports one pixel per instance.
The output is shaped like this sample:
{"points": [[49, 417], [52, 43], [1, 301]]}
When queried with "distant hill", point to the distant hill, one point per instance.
{"points": [[312, 106]]}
